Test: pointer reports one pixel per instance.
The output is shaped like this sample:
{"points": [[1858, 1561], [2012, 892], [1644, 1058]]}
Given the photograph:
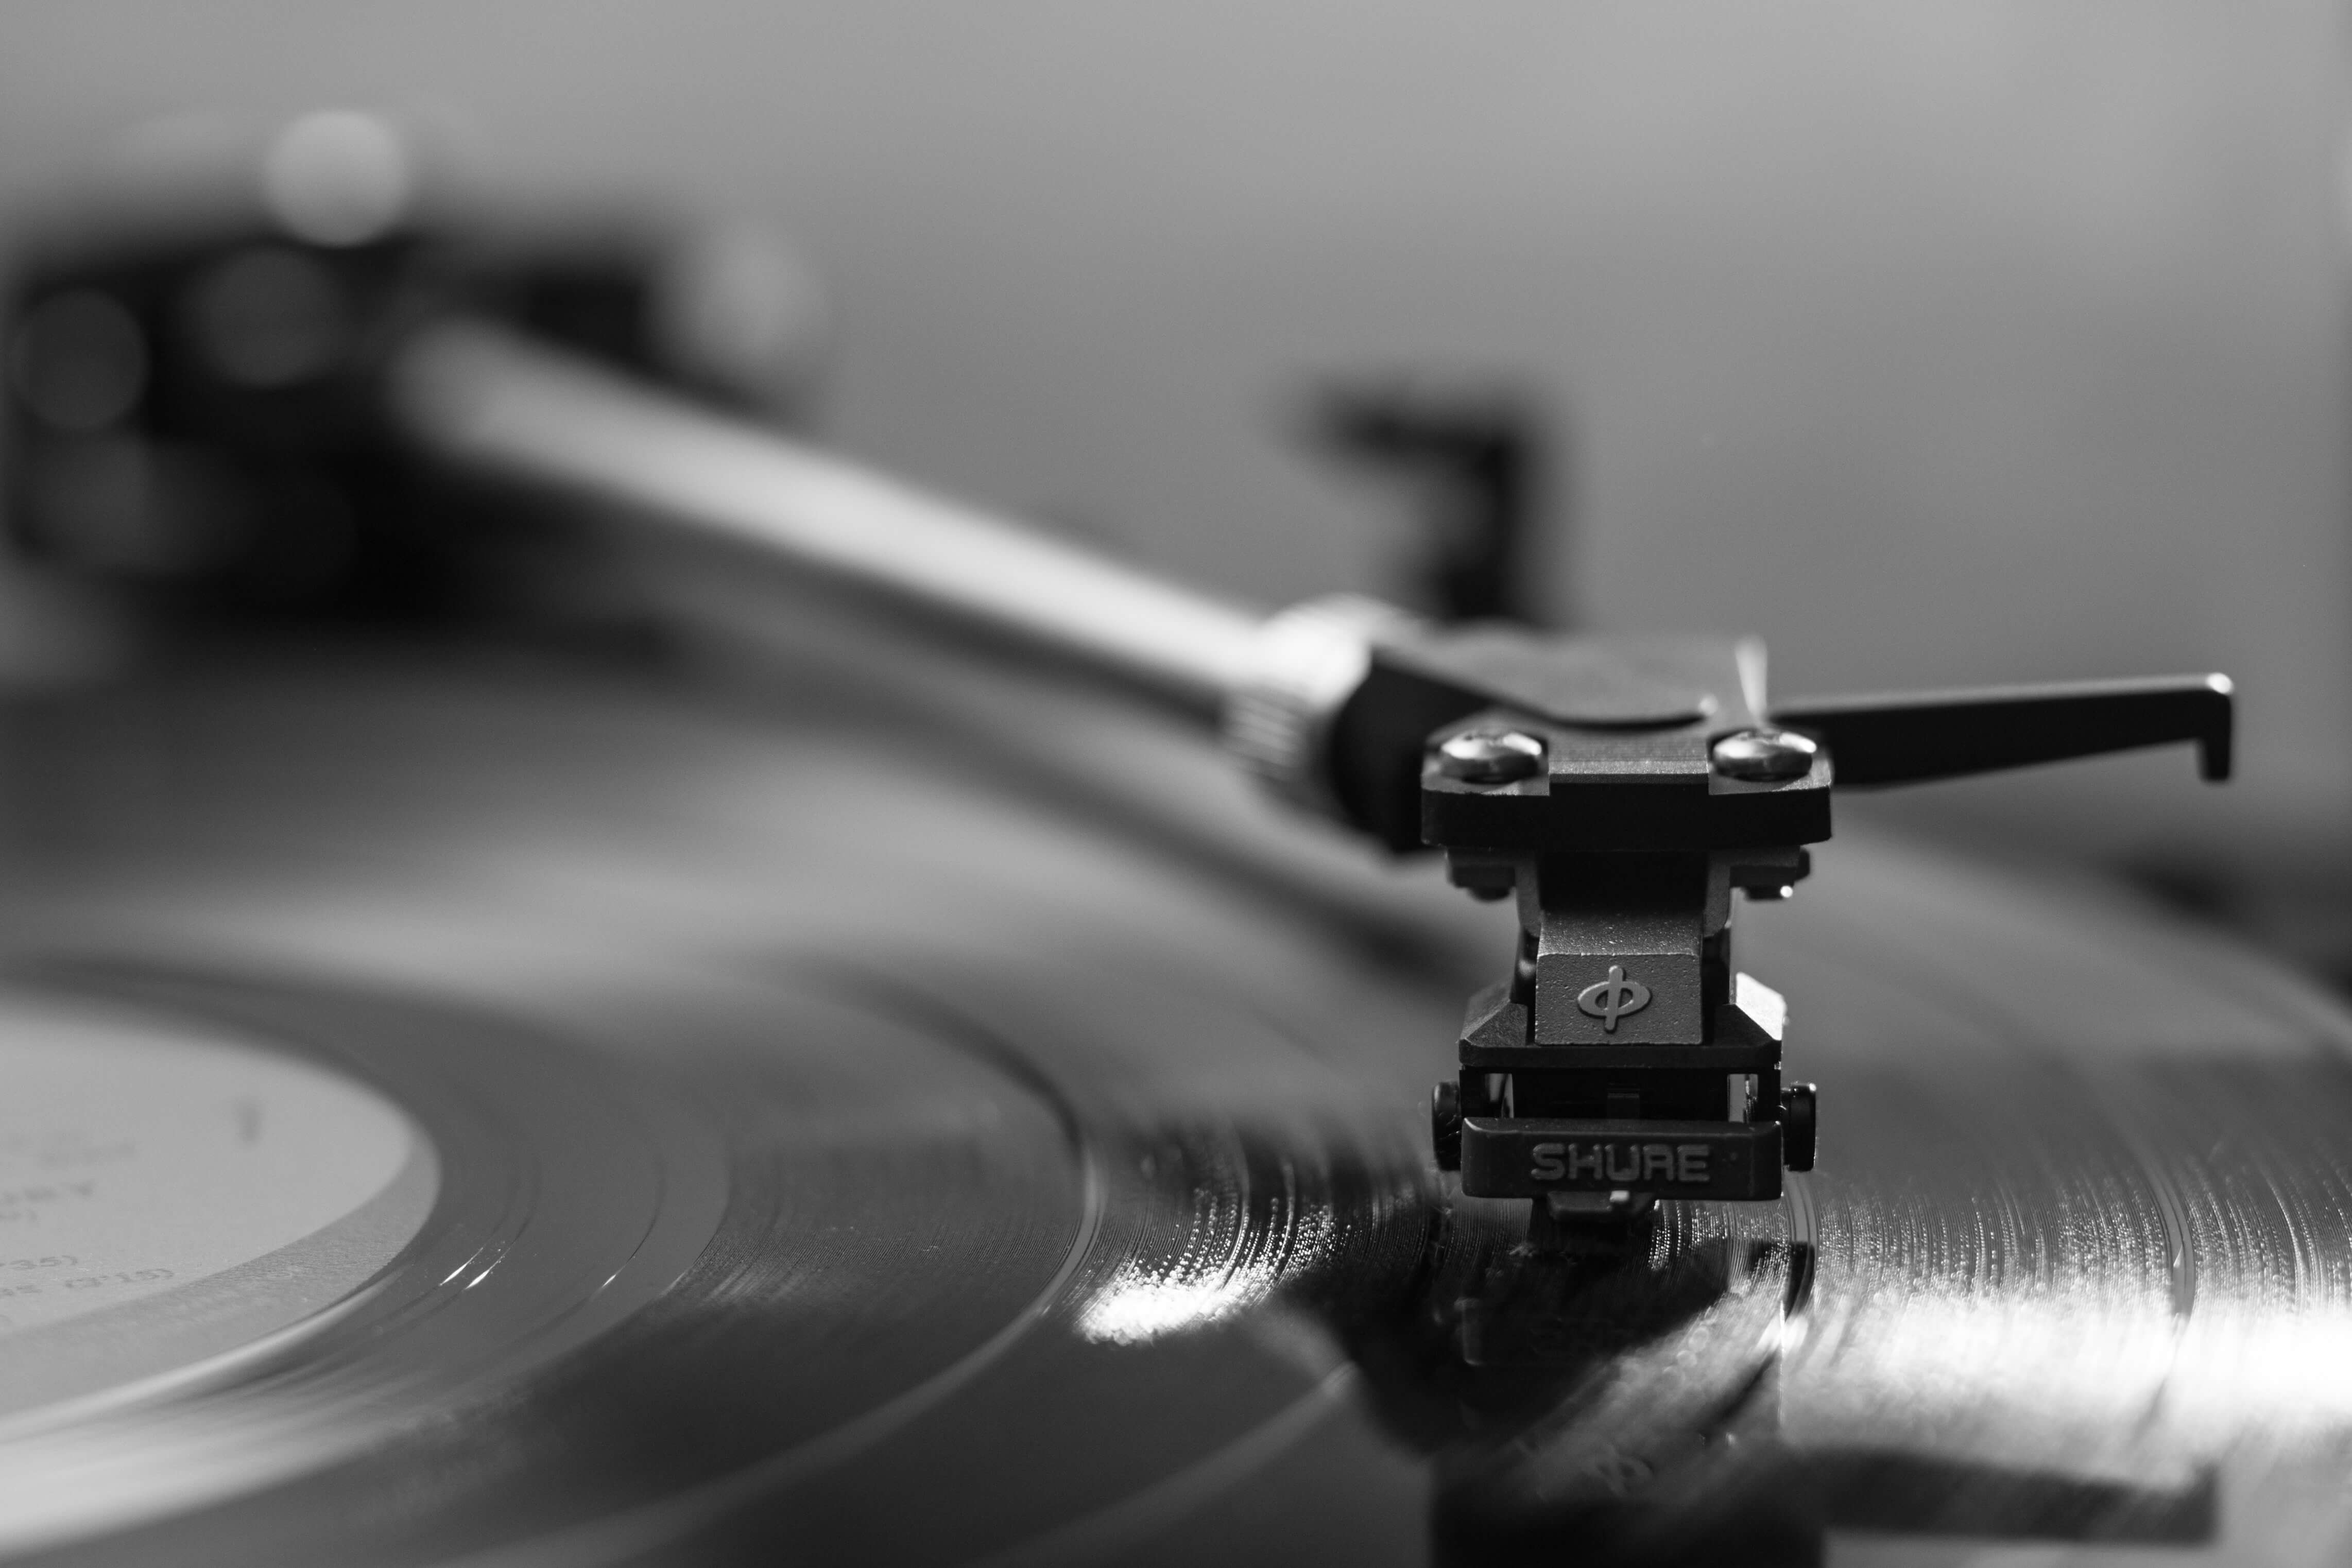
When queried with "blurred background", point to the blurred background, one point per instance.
{"points": [[1946, 343]]}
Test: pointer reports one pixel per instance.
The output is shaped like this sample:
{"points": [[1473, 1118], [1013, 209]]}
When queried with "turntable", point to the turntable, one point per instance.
{"points": [[602, 1081]]}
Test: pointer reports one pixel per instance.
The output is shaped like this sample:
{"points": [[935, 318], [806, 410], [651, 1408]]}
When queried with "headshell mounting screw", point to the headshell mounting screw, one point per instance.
{"points": [[1490, 755], [1764, 756]]}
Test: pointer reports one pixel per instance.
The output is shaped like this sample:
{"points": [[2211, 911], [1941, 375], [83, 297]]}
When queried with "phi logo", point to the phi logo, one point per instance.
{"points": [[1613, 998]]}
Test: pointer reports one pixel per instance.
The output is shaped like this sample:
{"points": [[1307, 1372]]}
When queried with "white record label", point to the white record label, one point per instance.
{"points": [[167, 1199]]}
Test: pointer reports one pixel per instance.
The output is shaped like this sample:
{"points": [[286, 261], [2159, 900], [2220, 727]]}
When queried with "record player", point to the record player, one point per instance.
{"points": [[552, 1038]]}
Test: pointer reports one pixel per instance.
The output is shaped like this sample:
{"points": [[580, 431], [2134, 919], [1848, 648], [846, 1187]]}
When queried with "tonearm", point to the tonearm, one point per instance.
{"points": [[1620, 789]]}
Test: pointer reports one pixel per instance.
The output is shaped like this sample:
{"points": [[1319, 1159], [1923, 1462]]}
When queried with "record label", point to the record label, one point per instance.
{"points": [[166, 1198]]}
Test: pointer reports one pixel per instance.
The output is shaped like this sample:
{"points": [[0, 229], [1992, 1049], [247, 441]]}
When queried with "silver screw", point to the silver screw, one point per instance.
{"points": [[1490, 755], [1764, 756]]}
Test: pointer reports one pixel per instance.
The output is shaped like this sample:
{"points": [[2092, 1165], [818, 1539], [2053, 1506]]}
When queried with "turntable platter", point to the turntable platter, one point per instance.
{"points": [[850, 1139]]}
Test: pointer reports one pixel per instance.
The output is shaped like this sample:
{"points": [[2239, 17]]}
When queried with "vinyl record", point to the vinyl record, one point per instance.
{"points": [[483, 1107]]}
